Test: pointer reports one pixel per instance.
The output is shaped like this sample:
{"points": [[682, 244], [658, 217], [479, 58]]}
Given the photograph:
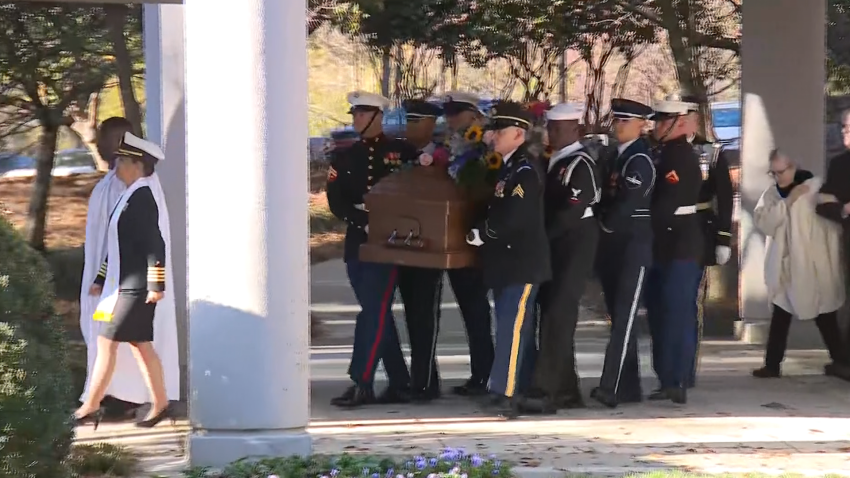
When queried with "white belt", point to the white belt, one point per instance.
{"points": [[588, 212], [685, 210]]}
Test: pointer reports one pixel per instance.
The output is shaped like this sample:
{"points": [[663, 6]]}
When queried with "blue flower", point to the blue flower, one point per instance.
{"points": [[433, 462], [454, 169], [420, 464], [376, 475], [390, 473], [477, 461]]}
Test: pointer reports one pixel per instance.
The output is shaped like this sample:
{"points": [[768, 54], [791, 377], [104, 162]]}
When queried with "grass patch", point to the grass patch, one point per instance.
{"points": [[102, 460]]}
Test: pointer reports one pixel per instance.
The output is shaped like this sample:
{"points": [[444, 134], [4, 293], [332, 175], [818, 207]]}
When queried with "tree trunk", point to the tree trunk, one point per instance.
{"points": [[386, 70], [562, 69], [116, 16], [37, 216], [454, 76]]}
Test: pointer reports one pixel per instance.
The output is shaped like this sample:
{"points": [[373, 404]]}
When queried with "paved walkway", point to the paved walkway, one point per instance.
{"points": [[732, 423]]}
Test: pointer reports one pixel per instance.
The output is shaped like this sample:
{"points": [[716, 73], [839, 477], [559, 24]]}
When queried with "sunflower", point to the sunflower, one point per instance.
{"points": [[474, 134], [493, 160]]}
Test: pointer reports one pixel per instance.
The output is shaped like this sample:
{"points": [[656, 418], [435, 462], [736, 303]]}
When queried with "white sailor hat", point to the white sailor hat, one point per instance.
{"points": [[362, 100], [134, 147], [455, 102], [565, 112], [672, 106]]}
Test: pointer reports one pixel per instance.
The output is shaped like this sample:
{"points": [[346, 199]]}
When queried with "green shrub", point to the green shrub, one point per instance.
{"points": [[103, 459], [36, 399]]}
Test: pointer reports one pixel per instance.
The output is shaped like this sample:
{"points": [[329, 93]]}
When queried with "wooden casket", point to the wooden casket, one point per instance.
{"points": [[419, 217]]}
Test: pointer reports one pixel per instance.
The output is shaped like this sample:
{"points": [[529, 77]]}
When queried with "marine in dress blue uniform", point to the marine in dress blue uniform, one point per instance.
{"points": [[625, 250], [421, 288], [715, 208], [514, 255], [350, 177], [461, 110], [571, 191], [674, 280]]}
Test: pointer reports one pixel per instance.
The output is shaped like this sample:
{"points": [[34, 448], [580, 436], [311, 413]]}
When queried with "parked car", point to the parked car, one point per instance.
{"points": [[16, 166], [727, 123], [67, 162]]}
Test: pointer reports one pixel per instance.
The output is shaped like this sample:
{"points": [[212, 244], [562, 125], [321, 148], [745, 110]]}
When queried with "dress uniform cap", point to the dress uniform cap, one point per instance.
{"points": [[565, 112], [135, 147], [455, 102], [670, 107], [505, 114], [367, 101], [693, 102], [421, 109], [629, 109]]}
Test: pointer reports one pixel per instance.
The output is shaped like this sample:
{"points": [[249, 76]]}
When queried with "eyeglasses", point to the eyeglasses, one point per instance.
{"points": [[774, 174]]}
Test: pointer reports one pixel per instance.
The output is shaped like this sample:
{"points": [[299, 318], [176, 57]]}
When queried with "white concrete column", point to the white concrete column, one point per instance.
{"points": [[165, 121], [246, 85], [783, 61]]}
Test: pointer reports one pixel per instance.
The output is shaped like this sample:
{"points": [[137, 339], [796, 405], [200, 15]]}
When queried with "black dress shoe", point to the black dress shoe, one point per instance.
{"points": [[355, 396], [571, 401], [472, 388], [767, 372], [505, 407], [678, 395], [838, 370], [425, 396], [658, 395], [393, 396], [539, 406], [604, 397]]}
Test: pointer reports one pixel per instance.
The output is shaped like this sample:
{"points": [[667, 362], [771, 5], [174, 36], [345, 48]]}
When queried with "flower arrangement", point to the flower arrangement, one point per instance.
{"points": [[537, 137], [450, 463], [469, 160]]}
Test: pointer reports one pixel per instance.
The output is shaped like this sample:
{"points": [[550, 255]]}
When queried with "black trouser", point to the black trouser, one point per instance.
{"points": [[777, 338], [421, 291], [623, 260], [471, 294], [573, 255]]}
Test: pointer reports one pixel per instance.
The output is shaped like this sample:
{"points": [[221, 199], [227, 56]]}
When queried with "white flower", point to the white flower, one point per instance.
{"points": [[426, 159]]}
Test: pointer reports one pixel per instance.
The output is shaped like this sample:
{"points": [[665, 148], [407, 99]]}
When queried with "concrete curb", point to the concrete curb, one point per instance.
{"points": [[604, 471]]}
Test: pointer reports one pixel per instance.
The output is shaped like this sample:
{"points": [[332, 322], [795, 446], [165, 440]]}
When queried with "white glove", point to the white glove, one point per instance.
{"points": [[474, 238], [722, 254], [361, 207]]}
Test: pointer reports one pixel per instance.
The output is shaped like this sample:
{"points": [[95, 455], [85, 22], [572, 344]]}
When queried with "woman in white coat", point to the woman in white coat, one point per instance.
{"points": [[802, 268]]}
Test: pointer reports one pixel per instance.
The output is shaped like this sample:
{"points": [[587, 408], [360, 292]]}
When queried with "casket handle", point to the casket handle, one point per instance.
{"points": [[411, 241]]}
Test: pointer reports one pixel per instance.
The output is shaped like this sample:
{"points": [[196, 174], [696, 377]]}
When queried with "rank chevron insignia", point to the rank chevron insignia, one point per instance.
{"points": [[518, 191]]}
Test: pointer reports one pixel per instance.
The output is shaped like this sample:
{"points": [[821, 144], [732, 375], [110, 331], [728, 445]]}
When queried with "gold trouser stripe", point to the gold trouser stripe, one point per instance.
{"points": [[510, 385], [102, 316], [702, 206], [702, 293]]}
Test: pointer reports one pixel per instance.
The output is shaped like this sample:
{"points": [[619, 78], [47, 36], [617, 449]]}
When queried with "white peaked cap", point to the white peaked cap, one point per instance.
{"points": [[678, 98], [461, 97], [132, 145], [671, 106], [565, 112], [363, 98]]}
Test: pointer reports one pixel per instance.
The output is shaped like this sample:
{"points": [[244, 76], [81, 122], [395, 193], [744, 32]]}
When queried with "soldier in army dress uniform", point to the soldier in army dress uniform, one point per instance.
{"points": [[514, 254], [350, 177], [625, 250], [571, 191], [673, 283], [715, 208], [421, 288]]}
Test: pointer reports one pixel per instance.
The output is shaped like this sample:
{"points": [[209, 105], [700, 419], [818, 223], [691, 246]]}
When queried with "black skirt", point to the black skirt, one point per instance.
{"points": [[132, 318]]}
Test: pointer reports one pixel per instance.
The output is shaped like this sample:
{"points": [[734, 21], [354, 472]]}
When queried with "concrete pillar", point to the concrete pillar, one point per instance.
{"points": [[246, 86], [165, 121], [783, 61]]}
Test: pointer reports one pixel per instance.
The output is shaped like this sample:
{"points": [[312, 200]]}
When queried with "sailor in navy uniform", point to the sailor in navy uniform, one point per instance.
{"points": [[462, 111], [514, 255], [673, 284], [715, 208], [421, 288], [571, 190], [350, 177], [625, 250]]}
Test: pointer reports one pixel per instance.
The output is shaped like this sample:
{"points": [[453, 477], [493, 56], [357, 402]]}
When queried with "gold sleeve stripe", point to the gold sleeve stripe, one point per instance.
{"points": [[156, 278], [723, 233], [129, 152], [102, 316]]}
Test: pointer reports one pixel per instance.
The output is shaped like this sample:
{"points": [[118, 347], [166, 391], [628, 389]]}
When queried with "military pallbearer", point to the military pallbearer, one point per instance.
{"points": [[514, 255]]}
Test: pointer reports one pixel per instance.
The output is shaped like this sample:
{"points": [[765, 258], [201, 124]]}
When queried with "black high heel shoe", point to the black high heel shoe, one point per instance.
{"points": [[154, 421], [94, 417]]}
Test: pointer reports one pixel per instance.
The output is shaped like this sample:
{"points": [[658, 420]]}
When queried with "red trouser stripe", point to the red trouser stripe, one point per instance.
{"points": [[385, 306]]}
